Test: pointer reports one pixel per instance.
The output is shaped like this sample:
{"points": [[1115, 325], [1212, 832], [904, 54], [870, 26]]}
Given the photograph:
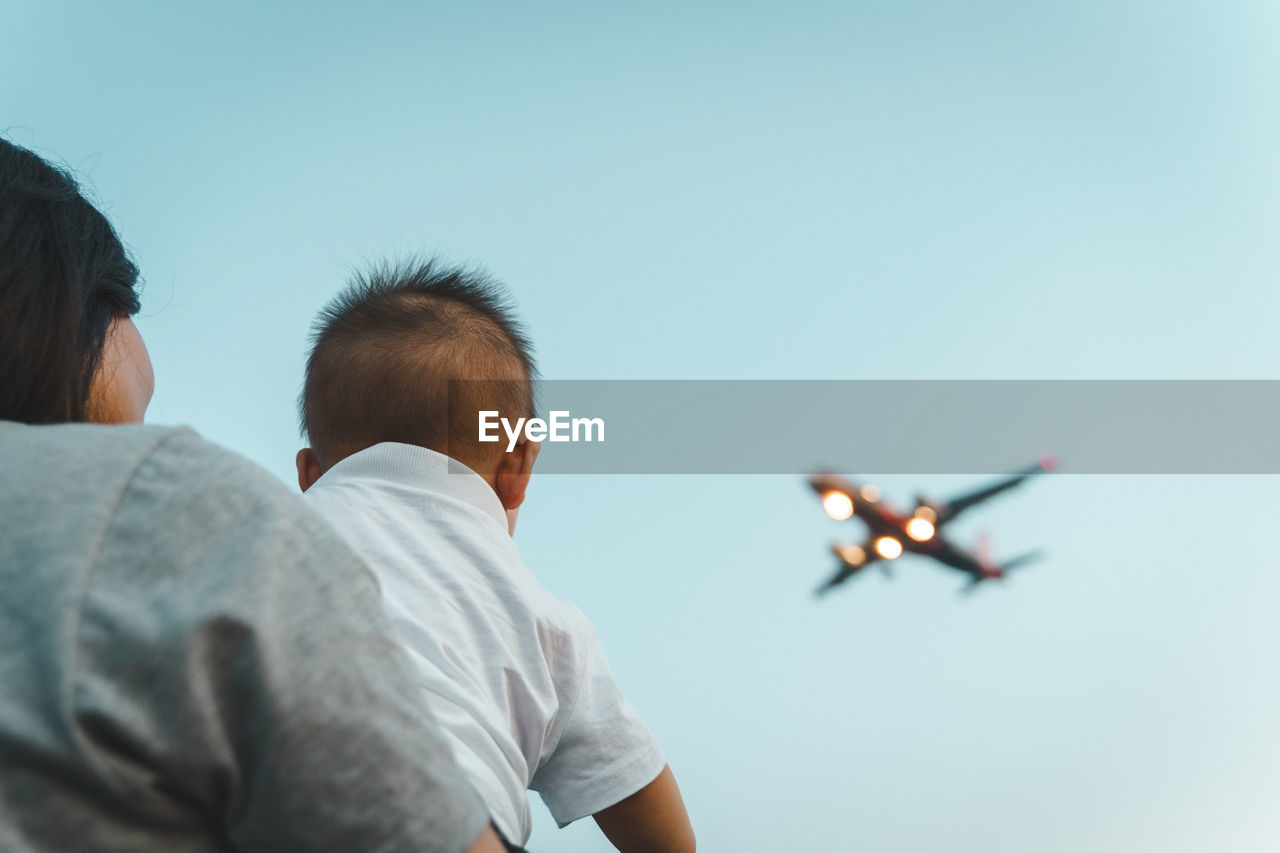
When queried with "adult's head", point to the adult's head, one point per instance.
{"points": [[68, 348], [411, 353]]}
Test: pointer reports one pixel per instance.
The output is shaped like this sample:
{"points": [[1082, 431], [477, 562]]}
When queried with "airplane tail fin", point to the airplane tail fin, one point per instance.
{"points": [[1022, 560], [997, 572], [982, 550]]}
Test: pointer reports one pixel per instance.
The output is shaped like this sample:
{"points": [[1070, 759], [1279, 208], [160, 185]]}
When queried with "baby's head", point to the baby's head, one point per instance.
{"points": [[411, 353]]}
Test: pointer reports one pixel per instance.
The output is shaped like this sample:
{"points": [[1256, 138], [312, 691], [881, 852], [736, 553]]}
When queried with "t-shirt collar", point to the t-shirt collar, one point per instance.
{"points": [[422, 468]]}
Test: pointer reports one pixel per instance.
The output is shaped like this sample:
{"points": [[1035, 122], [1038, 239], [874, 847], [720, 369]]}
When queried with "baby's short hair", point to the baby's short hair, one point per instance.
{"points": [[410, 352]]}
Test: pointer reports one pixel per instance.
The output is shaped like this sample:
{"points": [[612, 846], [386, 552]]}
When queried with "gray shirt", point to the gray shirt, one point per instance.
{"points": [[191, 661]]}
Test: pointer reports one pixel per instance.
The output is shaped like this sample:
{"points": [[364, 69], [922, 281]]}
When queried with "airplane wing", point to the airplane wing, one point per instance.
{"points": [[843, 574], [959, 504], [853, 559]]}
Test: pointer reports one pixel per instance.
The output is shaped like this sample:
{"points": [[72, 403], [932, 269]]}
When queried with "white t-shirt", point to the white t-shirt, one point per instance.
{"points": [[515, 676]]}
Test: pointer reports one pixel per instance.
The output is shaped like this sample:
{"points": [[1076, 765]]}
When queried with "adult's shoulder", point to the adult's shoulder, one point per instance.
{"points": [[64, 477], [93, 455], [38, 457], [81, 476], [205, 492], [196, 464]]}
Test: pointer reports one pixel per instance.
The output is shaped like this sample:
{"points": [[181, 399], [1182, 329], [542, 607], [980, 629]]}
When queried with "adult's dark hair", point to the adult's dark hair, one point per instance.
{"points": [[64, 275], [410, 352]]}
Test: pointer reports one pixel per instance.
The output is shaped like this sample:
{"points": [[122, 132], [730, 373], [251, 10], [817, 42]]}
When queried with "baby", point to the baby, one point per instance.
{"points": [[403, 361]]}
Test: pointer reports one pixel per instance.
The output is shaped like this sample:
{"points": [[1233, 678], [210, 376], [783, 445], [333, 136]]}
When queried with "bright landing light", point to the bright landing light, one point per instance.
{"points": [[838, 505], [888, 547], [850, 553], [920, 529]]}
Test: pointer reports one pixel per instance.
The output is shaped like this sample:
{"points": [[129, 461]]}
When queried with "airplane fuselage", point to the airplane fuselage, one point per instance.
{"points": [[892, 533]]}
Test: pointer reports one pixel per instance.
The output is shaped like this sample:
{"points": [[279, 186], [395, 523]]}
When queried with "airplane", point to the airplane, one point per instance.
{"points": [[891, 534]]}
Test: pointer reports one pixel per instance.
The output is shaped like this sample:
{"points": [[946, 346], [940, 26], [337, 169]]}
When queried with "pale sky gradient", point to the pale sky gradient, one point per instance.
{"points": [[841, 190]]}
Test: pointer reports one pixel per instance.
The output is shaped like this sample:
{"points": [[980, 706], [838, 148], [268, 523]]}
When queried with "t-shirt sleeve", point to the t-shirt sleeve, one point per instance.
{"points": [[232, 659], [605, 753]]}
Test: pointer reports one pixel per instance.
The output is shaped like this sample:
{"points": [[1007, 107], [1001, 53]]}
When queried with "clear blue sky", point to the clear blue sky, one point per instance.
{"points": [[841, 190]]}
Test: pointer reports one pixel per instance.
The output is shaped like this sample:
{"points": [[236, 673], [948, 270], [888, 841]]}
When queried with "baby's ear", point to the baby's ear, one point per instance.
{"points": [[308, 468], [514, 471]]}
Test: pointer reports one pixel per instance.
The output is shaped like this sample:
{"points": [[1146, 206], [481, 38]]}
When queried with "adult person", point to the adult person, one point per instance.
{"points": [[189, 659]]}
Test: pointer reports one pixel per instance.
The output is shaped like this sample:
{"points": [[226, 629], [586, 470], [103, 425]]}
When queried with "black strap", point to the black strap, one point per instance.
{"points": [[511, 848]]}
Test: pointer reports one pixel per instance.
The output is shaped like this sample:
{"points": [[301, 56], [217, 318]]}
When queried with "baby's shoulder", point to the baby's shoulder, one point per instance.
{"points": [[563, 630]]}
